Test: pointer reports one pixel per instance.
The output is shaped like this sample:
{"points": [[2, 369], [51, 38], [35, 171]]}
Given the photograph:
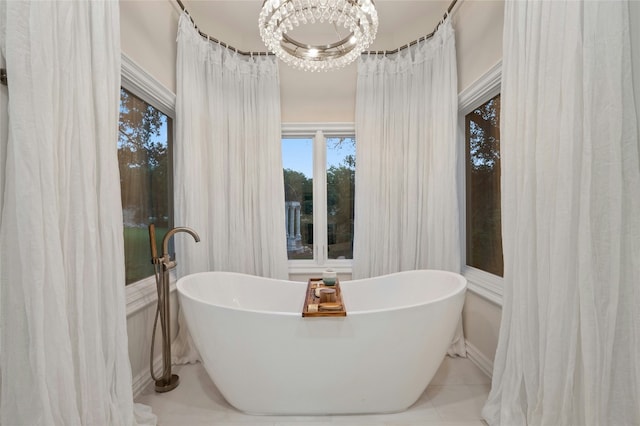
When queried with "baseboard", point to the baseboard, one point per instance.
{"points": [[144, 379], [479, 359]]}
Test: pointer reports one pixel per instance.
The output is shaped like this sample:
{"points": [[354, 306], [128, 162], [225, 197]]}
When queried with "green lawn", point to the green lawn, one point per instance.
{"points": [[137, 252]]}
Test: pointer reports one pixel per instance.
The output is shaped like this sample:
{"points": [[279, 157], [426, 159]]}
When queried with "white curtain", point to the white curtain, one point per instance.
{"points": [[64, 343], [570, 332], [406, 206], [228, 161], [4, 139]]}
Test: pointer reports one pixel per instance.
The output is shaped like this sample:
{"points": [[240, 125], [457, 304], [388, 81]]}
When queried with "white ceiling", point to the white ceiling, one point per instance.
{"points": [[236, 21], [316, 97]]}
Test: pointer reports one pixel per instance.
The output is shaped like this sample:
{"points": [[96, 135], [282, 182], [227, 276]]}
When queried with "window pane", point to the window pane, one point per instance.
{"points": [[341, 166], [484, 235], [297, 160], [143, 155]]}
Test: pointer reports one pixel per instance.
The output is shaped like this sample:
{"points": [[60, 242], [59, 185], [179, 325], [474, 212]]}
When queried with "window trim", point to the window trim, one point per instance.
{"points": [[136, 80], [142, 84], [482, 283], [319, 132]]}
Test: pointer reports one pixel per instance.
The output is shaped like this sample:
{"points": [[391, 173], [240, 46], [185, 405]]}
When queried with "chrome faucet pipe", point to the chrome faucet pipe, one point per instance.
{"points": [[171, 232], [166, 381]]}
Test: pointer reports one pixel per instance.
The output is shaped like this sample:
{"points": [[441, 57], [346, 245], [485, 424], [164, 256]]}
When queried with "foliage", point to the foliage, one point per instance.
{"points": [[340, 200], [140, 127], [483, 127], [138, 252], [143, 159], [297, 187], [484, 234]]}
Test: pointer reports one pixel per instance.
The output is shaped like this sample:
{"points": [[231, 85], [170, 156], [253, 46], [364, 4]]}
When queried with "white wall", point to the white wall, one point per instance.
{"points": [[330, 97], [479, 27], [148, 30], [148, 33], [139, 330], [481, 324]]}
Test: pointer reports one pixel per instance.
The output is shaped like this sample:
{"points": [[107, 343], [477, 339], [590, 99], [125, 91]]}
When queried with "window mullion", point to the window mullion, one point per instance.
{"points": [[320, 198]]}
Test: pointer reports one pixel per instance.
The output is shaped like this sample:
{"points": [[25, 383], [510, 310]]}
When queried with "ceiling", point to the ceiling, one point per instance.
{"points": [[324, 96], [236, 21]]}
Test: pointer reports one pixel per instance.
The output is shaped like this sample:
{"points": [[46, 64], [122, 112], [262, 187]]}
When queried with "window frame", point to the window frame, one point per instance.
{"points": [[484, 284], [319, 132], [139, 82]]}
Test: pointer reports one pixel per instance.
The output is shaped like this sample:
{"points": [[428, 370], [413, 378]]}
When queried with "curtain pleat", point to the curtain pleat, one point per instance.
{"points": [[569, 337], [406, 206], [228, 158], [228, 163], [406, 192], [64, 356]]}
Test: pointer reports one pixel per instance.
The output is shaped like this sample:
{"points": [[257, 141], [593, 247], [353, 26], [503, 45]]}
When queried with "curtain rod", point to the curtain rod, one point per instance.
{"points": [[416, 41], [215, 40], [369, 52], [3, 71]]}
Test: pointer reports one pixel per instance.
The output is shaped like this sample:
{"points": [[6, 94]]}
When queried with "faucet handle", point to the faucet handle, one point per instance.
{"points": [[152, 240], [168, 264]]}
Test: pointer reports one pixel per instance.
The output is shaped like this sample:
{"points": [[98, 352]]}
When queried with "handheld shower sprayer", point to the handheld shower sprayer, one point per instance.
{"points": [[162, 266]]}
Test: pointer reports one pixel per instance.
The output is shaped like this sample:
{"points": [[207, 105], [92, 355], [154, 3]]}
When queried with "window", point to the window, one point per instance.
{"points": [[483, 227], [341, 169], [297, 158], [144, 157], [319, 187], [480, 225]]}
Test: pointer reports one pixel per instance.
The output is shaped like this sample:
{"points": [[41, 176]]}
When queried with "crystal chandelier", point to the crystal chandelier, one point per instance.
{"points": [[279, 17]]}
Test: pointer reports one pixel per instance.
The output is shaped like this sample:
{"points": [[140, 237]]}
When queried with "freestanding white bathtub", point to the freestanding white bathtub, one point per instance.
{"points": [[266, 359]]}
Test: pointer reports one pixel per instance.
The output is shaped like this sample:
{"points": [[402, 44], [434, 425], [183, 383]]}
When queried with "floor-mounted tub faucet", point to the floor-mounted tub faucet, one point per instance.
{"points": [[166, 381], [167, 263]]}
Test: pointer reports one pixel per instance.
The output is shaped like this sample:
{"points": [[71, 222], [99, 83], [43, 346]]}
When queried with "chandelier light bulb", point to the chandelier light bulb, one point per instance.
{"points": [[278, 17]]}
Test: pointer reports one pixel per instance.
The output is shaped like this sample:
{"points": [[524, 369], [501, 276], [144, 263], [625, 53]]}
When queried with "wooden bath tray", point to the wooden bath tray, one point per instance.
{"points": [[311, 299]]}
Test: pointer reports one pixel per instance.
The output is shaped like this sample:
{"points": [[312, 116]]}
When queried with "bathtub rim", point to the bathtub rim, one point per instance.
{"points": [[461, 288]]}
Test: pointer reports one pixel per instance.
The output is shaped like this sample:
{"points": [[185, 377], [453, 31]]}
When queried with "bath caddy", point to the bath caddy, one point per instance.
{"points": [[312, 306]]}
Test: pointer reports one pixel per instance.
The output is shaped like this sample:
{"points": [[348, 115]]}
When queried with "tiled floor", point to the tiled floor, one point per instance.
{"points": [[454, 398]]}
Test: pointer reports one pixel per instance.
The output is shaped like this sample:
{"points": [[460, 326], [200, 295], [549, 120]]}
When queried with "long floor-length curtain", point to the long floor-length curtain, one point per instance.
{"points": [[406, 205], [228, 161], [4, 139], [64, 356], [570, 333]]}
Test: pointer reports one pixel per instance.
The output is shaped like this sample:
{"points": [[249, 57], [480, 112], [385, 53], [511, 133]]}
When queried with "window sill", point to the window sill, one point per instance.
{"points": [[484, 284], [297, 267], [143, 293]]}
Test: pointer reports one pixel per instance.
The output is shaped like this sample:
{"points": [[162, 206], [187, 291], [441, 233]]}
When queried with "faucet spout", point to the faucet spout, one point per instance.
{"points": [[171, 232]]}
